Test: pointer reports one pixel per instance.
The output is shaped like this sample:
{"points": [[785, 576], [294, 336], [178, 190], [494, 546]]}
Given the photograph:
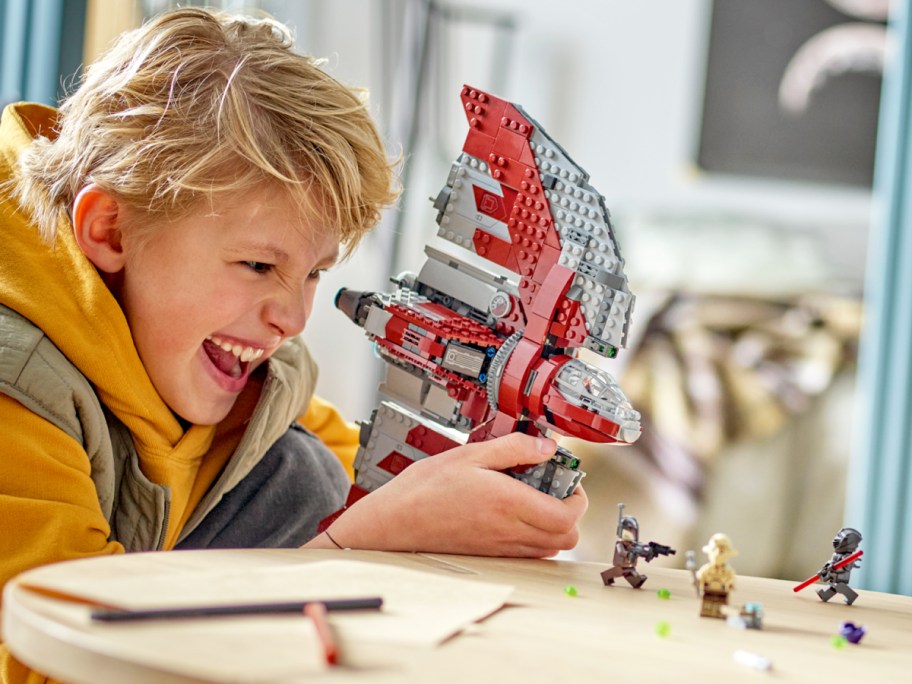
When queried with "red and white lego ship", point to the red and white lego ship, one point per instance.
{"points": [[474, 353]]}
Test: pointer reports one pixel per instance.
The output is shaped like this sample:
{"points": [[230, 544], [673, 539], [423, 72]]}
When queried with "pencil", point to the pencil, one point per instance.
{"points": [[316, 611], [372, 603]]}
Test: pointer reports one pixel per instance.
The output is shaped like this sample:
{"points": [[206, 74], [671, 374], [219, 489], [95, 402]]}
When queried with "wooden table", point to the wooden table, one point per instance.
{"points": [[602, 634]]}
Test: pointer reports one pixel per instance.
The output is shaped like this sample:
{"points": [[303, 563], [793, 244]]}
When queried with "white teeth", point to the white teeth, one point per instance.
{"points": [[242, 352]]}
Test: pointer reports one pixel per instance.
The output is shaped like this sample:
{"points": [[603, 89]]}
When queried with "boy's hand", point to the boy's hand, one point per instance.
{"points": [[460, 502]]}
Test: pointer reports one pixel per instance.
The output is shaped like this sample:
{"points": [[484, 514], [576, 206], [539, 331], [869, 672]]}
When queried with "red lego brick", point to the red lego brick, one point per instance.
{"points": [[492, 205], [429, 441], [394, 463], [576, 421], [544, 378], [478, 144], [549, 297], [569, 327], [515, 376], [483, 110], [516, 122], [476, 408], [536, 328], [494, 249], [546, 262], [508, 147]]}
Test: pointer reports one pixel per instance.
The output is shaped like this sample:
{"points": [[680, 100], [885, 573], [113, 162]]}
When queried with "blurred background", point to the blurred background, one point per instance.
{"points": [[734, 143]]}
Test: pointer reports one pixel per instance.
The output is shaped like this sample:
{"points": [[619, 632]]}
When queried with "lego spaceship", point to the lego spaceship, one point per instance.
{"points": [[482, 352]]}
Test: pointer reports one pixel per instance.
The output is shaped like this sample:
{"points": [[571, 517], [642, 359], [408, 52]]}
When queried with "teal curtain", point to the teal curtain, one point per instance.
{"points": [[41, 51], [880, 476]]}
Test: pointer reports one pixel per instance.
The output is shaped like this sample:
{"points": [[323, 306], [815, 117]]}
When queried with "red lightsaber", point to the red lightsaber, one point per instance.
{"points": [[841, 564]]}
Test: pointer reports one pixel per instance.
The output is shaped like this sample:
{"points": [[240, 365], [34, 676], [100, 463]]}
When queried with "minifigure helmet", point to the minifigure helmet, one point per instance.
{"points": [[629, 523], [846, 540]]}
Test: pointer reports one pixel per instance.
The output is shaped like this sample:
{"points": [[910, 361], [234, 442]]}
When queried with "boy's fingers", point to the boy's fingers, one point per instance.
{"points": [[511, 450], [558, 517]]}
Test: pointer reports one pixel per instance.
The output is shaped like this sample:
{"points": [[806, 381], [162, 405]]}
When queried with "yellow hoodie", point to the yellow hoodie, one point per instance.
{"points": [[48, 502]]}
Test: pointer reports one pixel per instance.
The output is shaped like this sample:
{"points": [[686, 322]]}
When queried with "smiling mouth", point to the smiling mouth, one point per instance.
{"points": [[232, 360]]}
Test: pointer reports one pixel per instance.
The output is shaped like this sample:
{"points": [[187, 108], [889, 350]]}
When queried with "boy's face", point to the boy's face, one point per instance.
{"points": [[212, 296]]}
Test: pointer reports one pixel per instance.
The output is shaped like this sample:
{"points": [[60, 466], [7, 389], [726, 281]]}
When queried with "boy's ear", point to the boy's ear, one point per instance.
{"points": [[97, 225]]}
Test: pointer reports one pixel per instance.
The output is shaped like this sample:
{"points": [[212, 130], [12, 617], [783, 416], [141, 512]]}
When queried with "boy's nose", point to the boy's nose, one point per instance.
{"points": [[287, 314]]}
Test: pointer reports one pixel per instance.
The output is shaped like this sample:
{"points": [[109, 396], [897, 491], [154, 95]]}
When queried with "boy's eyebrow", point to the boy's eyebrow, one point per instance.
{"points": [[277, 254], [263, 249]]}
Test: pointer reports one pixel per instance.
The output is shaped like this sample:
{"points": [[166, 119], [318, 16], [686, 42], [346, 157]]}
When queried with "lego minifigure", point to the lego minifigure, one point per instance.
{"points": [[716, 578], [838, 569], [750, 617], [628, 550]]}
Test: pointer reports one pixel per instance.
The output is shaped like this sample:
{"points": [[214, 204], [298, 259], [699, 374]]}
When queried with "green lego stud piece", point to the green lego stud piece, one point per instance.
{"points": [[838, 641], [663, 629], [663, 594], [570, 590]]}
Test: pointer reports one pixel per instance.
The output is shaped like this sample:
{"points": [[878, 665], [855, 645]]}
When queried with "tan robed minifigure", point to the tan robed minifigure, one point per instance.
{"points": [[716, 578]]}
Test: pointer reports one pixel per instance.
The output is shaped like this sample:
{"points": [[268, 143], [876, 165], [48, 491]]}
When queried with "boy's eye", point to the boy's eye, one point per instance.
{"points": [[316, 273], [258, 266]]}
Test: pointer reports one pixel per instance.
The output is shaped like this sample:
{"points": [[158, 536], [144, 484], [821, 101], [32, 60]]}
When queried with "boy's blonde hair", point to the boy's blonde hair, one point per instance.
{"points": [[196, 106]]}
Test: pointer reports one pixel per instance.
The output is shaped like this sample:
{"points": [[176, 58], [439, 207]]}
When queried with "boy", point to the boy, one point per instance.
{"points": [[163, 236]]}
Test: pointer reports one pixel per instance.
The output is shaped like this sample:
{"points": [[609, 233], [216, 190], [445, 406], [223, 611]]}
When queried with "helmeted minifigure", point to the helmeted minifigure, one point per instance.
{"points": [[716, 578], [628, 550], [845, 543]]}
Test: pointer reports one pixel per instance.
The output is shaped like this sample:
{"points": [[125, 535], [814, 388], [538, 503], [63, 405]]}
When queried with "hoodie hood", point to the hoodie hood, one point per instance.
{"points": [[57, 288]]}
